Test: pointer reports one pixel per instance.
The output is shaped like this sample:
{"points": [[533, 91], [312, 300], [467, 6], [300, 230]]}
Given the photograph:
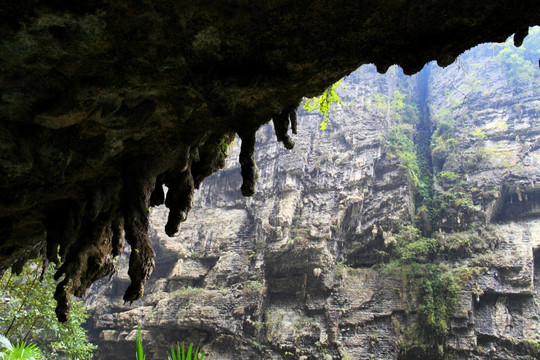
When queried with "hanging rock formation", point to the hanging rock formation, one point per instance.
{"points": [[304, 268], [103, 102]]}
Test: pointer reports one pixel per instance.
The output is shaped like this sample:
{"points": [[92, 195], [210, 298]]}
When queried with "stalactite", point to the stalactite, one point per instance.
{"points": [[158, 196], [62, 226], [117, 241], [520, 35], [294, 120], [135, 202], [281, 127], [211, 158], [179, 198], [90, 260], [247, 163], [75, 265], [281, 124]]}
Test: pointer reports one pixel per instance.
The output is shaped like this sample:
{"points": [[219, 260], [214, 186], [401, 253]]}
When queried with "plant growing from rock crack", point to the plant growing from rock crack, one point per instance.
{"points": [[324, 102]]}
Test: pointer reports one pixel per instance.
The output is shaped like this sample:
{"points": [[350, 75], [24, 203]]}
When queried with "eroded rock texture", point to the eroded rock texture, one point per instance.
{"points": [[289, 273], [103, 102]]}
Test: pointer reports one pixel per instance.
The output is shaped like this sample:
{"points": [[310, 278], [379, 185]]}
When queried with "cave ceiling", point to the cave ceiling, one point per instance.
{"points": [[104, 101]]}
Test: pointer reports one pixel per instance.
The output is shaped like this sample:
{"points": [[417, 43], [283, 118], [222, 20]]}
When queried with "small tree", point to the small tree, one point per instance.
{"points": [[27, 314]]}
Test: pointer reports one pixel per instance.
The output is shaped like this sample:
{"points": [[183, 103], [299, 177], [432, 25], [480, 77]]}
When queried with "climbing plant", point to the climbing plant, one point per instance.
{"points": [[324, 102]]}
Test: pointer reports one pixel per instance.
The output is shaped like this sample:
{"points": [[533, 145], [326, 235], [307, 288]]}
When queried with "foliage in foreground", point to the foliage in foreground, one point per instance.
{"points": [[180, 353], [27, 314], [139, 351], [21, 350], [183, 355]]}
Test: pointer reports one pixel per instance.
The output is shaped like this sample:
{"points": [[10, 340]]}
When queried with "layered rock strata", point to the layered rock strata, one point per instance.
{"points": [[289, 273], [104, 102]]}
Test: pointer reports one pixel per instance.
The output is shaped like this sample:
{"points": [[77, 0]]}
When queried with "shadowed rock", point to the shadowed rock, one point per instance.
{"points": [[88, 91]]}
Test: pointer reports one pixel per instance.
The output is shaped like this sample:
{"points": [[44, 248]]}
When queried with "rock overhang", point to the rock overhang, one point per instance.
{"points": [[103, 103]]}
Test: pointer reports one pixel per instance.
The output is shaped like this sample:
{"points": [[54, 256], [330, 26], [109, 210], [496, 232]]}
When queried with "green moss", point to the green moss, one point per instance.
{"points": [[533, 347], [273, 319], [188, 292], [465, 274], [401, 144], [447, 176], [479, 134], [433, 287], [253, 287], [341, 269]]}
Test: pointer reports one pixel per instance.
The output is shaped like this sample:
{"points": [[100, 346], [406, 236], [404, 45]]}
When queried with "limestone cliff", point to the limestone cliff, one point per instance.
{"points": [[104, 101], [306, 268]]}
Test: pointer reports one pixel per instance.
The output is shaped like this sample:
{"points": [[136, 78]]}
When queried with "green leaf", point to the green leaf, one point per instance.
{"points": [[29, 303], [324, 102], [138, 344]]}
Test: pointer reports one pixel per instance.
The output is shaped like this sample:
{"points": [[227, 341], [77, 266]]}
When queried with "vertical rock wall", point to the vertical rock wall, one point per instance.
{"points": [[289, 273]]}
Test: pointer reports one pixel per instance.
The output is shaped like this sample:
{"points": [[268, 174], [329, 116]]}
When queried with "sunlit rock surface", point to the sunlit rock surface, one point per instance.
{"points": [[288, 273], [102, 100]]}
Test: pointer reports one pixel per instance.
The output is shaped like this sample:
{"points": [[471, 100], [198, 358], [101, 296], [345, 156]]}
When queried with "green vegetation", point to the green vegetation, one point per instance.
{"points": [[455, 209], [479, 134], [227, 142], [401, 110], [21, 350], [178, 353], [273, 318], [341, 269], [520, 63], [27, 314], [253, 287], [139, 351], [404, 115], [184, 354], [445, 176], [401, 144], [411, 247], [324, 102], [188, 292], [431, 287], [449, 221], [533, 347], [443, 141]]}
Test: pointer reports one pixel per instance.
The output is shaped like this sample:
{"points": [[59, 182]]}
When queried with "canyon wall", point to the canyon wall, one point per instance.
{"points": [[407, 229], [104, 101]]}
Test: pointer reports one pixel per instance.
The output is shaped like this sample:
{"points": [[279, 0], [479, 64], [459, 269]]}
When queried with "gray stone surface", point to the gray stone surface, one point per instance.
{"points": [[287, 274]]}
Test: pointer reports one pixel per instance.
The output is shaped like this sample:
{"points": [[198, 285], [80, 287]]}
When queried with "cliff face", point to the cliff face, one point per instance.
{"points": [[319, 263], [103, 102]]}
